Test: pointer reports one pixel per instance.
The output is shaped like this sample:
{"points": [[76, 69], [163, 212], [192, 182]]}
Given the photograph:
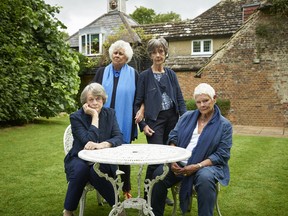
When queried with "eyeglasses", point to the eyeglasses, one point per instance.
{"points": [[98, 99]]}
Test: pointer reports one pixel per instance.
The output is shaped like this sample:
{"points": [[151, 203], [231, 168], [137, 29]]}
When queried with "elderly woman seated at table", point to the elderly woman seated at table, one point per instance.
{"points": [[208, 135], [93, 127]]}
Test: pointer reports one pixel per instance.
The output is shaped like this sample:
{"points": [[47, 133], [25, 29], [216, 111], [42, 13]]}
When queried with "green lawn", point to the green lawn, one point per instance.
{"points": [[33, 181]]}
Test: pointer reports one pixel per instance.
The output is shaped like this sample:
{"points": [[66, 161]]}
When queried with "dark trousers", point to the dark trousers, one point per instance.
{"points": [[78, 174], [126, 177], [205, 186], [164, 123]]}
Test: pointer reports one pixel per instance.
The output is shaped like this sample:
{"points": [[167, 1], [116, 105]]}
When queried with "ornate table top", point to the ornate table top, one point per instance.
{"points": [[140, 154]]}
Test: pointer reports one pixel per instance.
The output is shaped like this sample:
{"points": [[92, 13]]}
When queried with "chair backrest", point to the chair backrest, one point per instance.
{"points": [[68, 139]]}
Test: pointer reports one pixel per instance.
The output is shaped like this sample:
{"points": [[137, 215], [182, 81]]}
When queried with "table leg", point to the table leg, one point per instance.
{"points": [[118, 207], [149, 184], [117, 186], [139, 181]]}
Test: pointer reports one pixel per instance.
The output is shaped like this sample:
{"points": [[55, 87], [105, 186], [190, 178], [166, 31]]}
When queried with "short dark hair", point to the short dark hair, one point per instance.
{"points": [[156, 43]]}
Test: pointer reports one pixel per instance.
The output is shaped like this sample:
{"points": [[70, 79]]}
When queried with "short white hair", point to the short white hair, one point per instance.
{"points": [[204, 88], [128, 52]]}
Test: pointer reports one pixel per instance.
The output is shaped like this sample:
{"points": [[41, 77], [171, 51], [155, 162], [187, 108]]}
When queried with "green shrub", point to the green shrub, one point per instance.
{"points": [[190, 104], [223, 104], [38, 71]]}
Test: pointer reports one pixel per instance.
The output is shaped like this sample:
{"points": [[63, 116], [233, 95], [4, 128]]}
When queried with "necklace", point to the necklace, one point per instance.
{"points": [[204, 118], [203, 121]]}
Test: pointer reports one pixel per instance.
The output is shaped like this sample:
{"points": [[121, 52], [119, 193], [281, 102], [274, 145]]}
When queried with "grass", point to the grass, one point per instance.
{"points": [[33, 181]]}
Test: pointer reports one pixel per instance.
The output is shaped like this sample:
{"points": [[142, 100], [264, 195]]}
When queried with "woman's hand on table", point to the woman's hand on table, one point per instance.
{"points": [[92, 145]]}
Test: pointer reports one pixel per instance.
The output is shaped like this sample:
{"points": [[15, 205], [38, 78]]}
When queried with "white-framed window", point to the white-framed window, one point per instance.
{"points": [[90, 44], [202, 47]]}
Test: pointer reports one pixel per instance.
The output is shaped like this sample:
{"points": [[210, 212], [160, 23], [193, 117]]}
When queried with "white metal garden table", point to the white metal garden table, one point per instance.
{"points": [[135, 154]]}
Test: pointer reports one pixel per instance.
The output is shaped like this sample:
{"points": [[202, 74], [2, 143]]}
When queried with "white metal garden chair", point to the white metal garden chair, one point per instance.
{"points": [[175, 192], [68, 142]]}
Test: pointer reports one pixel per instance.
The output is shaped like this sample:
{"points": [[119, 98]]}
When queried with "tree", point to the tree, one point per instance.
{"points": [[148, 16], [143, 15], [167, 17], [38, 70], [279, 7]]}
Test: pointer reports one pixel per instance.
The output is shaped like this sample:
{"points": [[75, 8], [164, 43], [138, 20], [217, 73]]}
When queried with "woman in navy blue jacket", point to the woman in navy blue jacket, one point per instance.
{"points": [[93, 127], [159, 90], [208, 135]]}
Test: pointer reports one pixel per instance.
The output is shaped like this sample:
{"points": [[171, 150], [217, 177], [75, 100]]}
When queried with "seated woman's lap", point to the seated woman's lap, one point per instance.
{"points": [[77, 169], [204, 179]]}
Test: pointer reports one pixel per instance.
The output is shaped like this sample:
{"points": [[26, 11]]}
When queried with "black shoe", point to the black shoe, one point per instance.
{"points": [[169, 202]]}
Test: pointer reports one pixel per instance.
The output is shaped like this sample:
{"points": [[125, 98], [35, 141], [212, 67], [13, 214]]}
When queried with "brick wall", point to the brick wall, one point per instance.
{"points": [[252, 72]]}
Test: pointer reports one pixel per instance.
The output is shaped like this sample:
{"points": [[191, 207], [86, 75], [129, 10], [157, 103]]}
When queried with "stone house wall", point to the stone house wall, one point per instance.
{"points": [[251, 71]]}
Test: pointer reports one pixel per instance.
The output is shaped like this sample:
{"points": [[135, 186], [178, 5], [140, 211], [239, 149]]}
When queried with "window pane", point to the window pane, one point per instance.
{"points": [[88, 44], [94, 43], [196, 46], [83, 44], [207, 46]]}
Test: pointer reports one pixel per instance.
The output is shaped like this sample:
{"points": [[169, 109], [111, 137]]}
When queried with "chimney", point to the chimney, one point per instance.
{"points": [[116, 5], [248, 9]]}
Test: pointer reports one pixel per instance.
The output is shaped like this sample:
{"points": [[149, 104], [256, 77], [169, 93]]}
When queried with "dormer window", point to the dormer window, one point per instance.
{"points": [[90, 44], [202, 47]]}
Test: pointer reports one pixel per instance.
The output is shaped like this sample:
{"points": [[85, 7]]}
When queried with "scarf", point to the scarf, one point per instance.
{"points": [[124, 97], [200, 152]]}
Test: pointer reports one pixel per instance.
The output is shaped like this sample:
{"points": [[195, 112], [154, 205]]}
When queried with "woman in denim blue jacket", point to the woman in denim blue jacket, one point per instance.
{"points": [[208, 135]]}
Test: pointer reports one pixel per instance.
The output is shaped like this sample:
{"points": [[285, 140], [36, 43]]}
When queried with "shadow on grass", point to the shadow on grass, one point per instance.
{"points": [[59, 120]]}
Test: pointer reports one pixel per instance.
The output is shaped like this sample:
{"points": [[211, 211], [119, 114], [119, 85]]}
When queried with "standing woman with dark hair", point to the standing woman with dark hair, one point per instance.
{"points": [[120, 82], [159, 90]]}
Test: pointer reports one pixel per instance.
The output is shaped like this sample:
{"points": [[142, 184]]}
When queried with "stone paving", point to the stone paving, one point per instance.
{"points": [[260, 131]]}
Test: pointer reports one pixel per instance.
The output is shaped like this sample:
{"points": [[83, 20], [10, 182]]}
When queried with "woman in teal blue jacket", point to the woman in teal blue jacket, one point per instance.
{"points": [[208, 135]]}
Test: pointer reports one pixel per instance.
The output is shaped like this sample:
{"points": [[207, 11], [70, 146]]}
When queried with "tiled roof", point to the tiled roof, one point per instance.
{"points": [[108, 24], [186, 63], [222, 19]]}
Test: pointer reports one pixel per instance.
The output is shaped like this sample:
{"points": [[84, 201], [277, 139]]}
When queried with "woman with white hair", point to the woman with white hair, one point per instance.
{"points": [[208, 135], [120, 82]]}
